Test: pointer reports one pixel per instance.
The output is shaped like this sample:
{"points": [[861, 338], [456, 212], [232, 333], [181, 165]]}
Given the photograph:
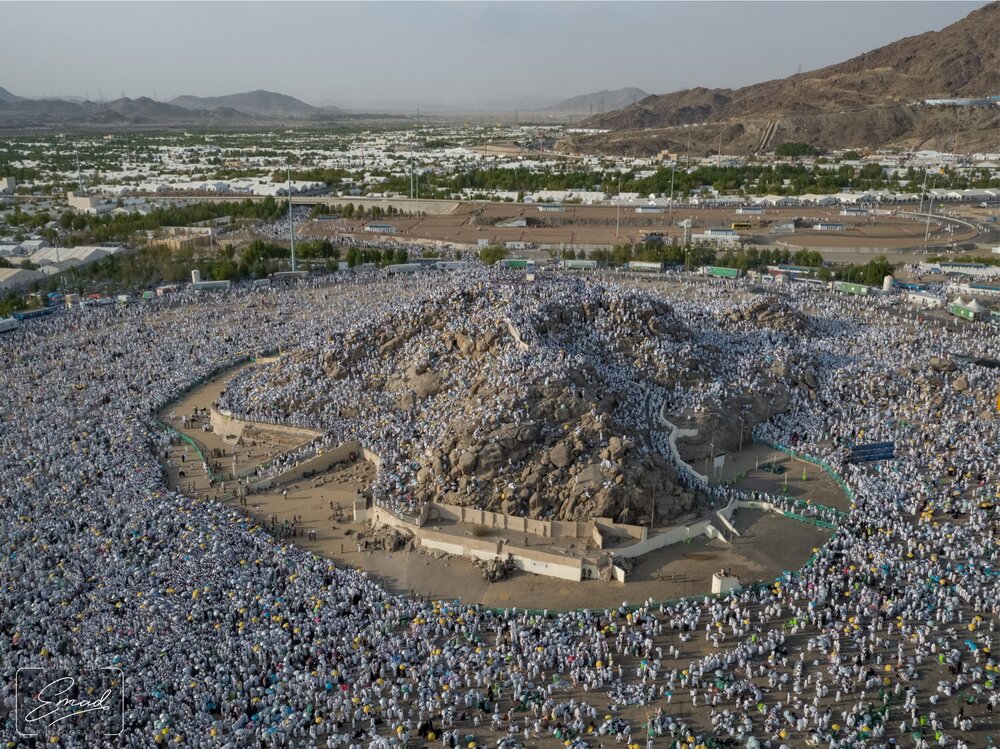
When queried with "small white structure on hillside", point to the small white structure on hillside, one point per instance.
{"points": [[723, 582]]}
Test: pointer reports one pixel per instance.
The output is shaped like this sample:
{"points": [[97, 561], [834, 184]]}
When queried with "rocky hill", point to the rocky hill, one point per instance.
{"points": [[512, 398], [873, 99]]}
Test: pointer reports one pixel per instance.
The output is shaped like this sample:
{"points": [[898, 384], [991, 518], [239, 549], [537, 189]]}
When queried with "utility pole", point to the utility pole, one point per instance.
{"points": [[930, 207], [291, 220], [710, 457], [673, 168], [618, 209], [79, 177]]}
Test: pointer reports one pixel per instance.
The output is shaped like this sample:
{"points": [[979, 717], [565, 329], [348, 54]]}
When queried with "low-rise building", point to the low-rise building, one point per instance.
{"points": [[380, 228], [16, 278]]}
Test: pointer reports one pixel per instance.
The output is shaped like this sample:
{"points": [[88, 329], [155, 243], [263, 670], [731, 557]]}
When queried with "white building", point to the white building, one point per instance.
{"points": [[63, 257], [380, 228], [15, 278]]}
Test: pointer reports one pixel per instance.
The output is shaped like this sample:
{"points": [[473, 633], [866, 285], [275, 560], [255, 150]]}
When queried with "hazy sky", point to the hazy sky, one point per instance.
{"points": [[456, 52]]}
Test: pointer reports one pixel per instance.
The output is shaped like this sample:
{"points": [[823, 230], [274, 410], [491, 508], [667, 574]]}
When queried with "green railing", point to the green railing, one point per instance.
{"points": [[197, 448], [178, 396]]}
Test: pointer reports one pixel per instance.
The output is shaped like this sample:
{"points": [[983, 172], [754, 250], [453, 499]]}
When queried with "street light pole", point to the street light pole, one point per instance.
{"points": [[291, 219], [618, 211], [673, 168]]}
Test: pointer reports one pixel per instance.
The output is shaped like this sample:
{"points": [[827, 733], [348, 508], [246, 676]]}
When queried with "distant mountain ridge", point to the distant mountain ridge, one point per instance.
{"points": [[7, 97], [865, 101], [600, 101], [253, 107], [251, 102]]}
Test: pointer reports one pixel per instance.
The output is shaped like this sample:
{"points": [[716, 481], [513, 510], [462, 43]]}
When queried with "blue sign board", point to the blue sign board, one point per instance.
{"points": [[875, 451]]}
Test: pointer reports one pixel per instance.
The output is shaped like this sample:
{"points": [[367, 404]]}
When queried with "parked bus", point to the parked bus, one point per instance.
{"points": [[31, 314], [644, 266]]}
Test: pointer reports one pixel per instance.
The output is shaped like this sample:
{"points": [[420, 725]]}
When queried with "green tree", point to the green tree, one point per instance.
{"points": [[492, 255], [795, 149]]}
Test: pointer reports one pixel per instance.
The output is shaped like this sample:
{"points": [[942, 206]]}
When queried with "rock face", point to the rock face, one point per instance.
{"points": [[939, 364], [772, 312], [389, 539]]}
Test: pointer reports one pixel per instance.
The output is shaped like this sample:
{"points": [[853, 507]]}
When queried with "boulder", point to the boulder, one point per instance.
{"points": [[491, 456], [589, 479], [467, 462], [426, 385], [465, 344], [561, 455], [940, 364], [406, 401]]}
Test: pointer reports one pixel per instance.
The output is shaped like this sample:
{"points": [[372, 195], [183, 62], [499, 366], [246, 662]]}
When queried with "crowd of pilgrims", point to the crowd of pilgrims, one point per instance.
{"points": [[229, 638]]}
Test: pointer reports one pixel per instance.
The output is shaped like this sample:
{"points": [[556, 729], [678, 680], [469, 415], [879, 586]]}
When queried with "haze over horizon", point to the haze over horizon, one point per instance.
{"points": [[449, 53]]}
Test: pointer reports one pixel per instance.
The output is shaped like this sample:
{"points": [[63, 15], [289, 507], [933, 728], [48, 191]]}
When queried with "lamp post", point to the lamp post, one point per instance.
{"points": [[673, 168], [618, 208], [291, 220], [742, 420]]}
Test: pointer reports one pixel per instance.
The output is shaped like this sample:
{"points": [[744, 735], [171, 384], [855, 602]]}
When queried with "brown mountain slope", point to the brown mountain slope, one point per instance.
{"points": [[868, 99]]}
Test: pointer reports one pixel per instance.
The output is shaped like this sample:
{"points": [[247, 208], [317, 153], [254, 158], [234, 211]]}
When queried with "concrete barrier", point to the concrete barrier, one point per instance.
{"points": [[316, 464], [669, 537], [224, 423], [676, 433], [516, 334]]}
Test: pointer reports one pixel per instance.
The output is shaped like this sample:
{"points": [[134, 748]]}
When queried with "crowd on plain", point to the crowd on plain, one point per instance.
{"points": [[228, 637]]}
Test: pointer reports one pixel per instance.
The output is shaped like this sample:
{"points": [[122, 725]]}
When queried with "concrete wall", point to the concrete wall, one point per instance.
{"points": [[516, 334], [530, 560], [315, 464], [595, 530], [622, 530], [223, 424], [725, 516], [676, 433], [674, 535]]}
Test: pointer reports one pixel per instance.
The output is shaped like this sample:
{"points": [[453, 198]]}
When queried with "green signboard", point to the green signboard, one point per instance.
{"points": [[964, 313], [851, 288], [723, 272]]}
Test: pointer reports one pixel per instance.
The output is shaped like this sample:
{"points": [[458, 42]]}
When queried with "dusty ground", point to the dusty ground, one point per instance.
{"points": [[255, 448], [596, 225]]}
